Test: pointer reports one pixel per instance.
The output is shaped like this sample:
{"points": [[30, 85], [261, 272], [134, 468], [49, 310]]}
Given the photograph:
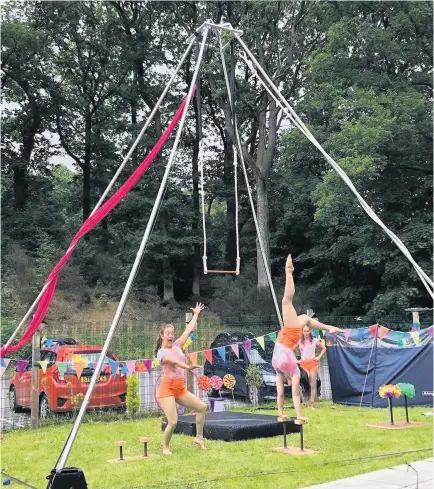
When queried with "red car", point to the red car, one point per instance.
{"points": [[63, 395]]}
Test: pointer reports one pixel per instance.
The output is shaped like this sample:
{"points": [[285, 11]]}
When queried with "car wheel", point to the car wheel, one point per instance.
{"points": [[44, 407], [13, 401]]}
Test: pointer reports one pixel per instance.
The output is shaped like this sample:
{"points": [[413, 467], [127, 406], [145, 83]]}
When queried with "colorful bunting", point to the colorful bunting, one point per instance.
{"points": [[193, 358], [44, 365], [154, 363], [148, 365], [430, 331], [373, 329], [383, 332], [113, 367], [61, 367], [416, 325], [79, 367], [131, 366], [208, 355], [187, 343], [236, 349], [347, 333], [221, 350], [48, 342], [248, 345], [124, 370], [22, 365], [360, 334], [4, 362], [261, 341], [273, 336]]}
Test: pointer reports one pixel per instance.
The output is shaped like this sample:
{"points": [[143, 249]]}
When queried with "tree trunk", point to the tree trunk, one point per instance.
{"points": [[168, 292], [228, 180], [262, 214], [20, 185], [86, 167], [196, 219]]}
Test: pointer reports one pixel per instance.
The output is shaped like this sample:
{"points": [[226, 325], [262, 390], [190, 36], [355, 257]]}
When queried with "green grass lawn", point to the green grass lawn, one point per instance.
{"points": [[339, 433]]}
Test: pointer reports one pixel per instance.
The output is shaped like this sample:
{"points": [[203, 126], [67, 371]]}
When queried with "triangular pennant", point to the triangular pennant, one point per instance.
{"points": [[261, 341], [56, 347], [208, 355], [430, 331], [373, 329], [124, 370], [187, 343], [360, 334], [248, 345], [4, 362], [416, 337], [113, 367], [193, 358], [400, 343], [399, 335], [236, 349], [61, 367], [347, 333], [416, 325], [383, 332], [154, 363], [221, 350], [79, 367], [44, 365], [273, 336], [315, 333], [43, 340], [131, 366], [48, 342], [22, 365], [148, 364], [323, 343]]}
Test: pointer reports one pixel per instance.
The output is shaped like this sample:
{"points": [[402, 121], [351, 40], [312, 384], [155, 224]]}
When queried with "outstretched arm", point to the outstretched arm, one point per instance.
{"points": [[171, 360], [191, 325], [315, 324]]}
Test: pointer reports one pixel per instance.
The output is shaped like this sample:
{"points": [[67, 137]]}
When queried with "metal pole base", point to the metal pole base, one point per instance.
{"points": [[67, 478]]}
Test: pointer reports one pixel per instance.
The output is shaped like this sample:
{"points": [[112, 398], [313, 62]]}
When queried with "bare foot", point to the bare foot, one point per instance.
{"points": [[289, 267], [166, 451], [311, 407], [283, 417], [199, 442], [303, 418]]}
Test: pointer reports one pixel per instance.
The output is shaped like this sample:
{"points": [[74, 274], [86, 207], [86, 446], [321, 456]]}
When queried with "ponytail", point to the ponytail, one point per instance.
{"points": [[159, 343]]}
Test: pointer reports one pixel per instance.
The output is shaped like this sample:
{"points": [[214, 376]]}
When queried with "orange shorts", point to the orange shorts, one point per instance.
{"points": [[289, 337], [171, 386], [311, 366]]}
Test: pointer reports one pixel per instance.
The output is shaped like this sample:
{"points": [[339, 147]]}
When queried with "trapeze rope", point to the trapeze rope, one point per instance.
{"points": [[202, 184], [289, 111], [252, 204]]}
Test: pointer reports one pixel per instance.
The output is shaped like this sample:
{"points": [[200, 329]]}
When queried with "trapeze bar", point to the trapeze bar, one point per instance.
{"points": [[223, 27], [233, 272]]}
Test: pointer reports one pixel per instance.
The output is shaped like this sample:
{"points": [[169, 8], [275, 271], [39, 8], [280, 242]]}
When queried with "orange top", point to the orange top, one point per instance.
{"points": [[289, 337]]}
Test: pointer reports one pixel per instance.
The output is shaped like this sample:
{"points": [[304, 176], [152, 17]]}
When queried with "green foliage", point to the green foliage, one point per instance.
{"points": [[254, 377], [133, 396]]}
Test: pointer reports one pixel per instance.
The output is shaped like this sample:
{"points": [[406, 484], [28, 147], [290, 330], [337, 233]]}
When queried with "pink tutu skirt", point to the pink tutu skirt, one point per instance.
{"points": [[284, 361]]}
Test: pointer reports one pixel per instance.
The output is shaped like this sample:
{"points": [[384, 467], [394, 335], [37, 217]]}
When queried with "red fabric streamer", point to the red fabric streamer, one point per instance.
{"points": [[87, 226]]}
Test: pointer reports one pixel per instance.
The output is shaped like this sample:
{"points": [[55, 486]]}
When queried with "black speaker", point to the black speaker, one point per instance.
{"points": [[67, 478]]}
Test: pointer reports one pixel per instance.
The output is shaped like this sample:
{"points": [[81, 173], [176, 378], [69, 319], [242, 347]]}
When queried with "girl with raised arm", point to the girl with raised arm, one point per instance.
{"points": [[172, 389]]}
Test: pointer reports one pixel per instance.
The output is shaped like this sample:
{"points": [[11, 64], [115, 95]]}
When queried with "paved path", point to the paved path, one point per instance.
{"points": [[420, 476]]}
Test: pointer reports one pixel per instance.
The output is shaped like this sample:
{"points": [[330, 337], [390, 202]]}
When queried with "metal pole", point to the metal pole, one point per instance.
{"points": [[135, 267], [427, 281], [391, 410], [113, 180], [36, 356], [406, 409], [301, 438], [285, 444]]}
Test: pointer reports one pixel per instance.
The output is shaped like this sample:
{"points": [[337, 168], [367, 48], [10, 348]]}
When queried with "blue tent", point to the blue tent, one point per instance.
{"points": [[393, 359]]}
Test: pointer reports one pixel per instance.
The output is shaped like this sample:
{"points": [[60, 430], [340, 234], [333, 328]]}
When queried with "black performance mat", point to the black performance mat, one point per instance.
{"points": [[229, 426]]}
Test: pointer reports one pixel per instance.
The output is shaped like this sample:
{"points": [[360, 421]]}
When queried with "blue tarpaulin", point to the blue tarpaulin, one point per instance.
{"points": [[393, 359]]}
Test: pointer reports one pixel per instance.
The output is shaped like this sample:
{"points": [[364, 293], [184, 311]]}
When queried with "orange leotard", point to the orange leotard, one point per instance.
{"points": [[289, 337]]}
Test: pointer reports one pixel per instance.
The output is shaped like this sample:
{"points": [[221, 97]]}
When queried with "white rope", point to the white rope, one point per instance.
{"points": [[202, 194], [289, 111], [249, 191], [237, 231]]}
